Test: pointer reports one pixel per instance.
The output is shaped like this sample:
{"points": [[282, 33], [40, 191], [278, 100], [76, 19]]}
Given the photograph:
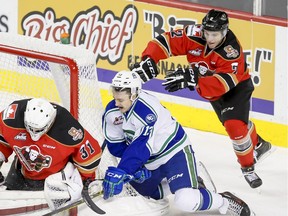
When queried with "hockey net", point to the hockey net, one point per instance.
{"points": [[65, 75]]}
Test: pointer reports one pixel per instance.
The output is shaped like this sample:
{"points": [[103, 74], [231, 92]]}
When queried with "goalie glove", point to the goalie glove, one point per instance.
{"points": [[181, 78], [114, 180], [147, 69], [142, 175], [63, 188]]}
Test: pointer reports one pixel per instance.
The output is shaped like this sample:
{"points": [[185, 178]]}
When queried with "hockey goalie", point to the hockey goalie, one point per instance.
{"points": [[53, 152]]}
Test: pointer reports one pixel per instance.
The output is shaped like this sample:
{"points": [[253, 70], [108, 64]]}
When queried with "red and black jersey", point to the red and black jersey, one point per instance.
{"points": [[221, 69], [66, 141]]}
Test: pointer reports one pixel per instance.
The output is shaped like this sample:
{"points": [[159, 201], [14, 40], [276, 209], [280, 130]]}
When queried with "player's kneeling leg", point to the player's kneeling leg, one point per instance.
{"points": [[64, 187], [187, 199]]}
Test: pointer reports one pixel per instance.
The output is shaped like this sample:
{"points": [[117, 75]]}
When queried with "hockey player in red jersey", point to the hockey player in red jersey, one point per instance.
{"points": [[219, 73], [47, 140]]}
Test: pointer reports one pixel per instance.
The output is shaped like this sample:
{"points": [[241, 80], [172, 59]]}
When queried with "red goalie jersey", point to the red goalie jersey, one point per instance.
{"points": [[221, 69], [65, 141]]}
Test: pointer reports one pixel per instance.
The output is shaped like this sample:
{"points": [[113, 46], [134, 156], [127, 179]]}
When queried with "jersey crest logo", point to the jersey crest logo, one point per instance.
{"points": [[231, 52], [196, 52], [10, 111], [150, 118], [21, 136], [76, 134], [203, 68], [118, 120], [32, 158]]}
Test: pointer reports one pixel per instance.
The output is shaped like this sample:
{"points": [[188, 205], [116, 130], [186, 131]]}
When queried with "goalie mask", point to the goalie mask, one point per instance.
{"points": [[127, 80], [38, 117]]}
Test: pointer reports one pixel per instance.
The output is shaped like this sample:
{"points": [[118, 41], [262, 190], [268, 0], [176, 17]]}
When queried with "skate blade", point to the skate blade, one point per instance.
{"points": [[204, 174], [258, 189], [268, 153]]}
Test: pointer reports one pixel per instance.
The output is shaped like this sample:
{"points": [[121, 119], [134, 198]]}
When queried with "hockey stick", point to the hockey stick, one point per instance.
{"points": [[72, 205], [88, 200], [86, 197]]}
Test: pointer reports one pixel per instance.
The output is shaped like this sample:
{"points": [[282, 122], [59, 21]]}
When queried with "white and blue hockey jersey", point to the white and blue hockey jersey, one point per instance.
{"points": [[147, 134]]}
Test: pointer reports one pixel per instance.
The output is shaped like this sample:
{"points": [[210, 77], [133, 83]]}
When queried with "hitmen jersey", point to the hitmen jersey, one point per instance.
{"points": [[66, 141], [146, 135], [221, 69]]}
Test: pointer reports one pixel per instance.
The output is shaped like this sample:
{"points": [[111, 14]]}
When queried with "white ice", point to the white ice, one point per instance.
{"points": [[216, 152]]}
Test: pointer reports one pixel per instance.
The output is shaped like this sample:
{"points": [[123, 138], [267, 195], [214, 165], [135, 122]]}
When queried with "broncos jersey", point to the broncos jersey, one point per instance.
{"points": [[147, 134], [66, 141], [221, 68]]}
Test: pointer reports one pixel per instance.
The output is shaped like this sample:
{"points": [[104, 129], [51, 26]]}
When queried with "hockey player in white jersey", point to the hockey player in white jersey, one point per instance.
{"points": [[156, 154]]}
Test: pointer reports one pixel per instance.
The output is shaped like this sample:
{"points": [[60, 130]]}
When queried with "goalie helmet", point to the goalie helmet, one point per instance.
{"points": [[38, 117], [127, 80], [215, 20]]}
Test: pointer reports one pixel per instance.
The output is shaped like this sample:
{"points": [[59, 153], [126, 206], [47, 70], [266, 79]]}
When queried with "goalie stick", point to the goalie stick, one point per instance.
{"points": [[88, 200], [74, 204]]}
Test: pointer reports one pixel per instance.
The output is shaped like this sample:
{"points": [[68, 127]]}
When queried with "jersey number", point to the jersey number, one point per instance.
{"points": [[86, 150], [147, 130], [177, 33]]}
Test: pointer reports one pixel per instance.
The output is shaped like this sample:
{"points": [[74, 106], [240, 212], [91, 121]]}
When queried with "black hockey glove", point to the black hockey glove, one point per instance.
{"points": [[181, 78], [147, 69]]}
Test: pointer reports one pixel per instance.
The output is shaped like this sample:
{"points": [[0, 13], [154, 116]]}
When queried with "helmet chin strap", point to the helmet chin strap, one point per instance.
{"points": [[134, 97], [224, 32]]}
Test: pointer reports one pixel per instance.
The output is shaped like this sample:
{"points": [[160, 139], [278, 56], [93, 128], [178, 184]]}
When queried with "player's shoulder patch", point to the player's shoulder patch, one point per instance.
{"points": [[150, 118], [13, 115], [194, 31], [231, 52], [66, 129], [10, 112], [230, 49], [76, 134]]}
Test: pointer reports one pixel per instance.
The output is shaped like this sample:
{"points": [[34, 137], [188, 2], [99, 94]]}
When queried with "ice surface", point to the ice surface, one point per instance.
{"points": [[216, 152]]}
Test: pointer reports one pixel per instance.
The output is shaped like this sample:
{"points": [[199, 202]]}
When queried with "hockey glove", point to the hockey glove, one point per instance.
{"points": [[142, 175], [147, 69], [114, 180], [181, 78]]}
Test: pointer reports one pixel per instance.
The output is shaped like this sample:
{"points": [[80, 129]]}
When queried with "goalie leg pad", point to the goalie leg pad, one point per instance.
{"points": [[63, 187]]}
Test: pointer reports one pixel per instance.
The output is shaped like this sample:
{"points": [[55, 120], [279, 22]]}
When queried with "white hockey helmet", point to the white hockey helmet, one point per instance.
{"points": [[38, 117], [127, 80]]}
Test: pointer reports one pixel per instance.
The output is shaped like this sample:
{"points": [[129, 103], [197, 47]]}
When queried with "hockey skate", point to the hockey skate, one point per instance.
{"points": [[236, 205], [262, 150], [251, 177], [201, 183]]}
